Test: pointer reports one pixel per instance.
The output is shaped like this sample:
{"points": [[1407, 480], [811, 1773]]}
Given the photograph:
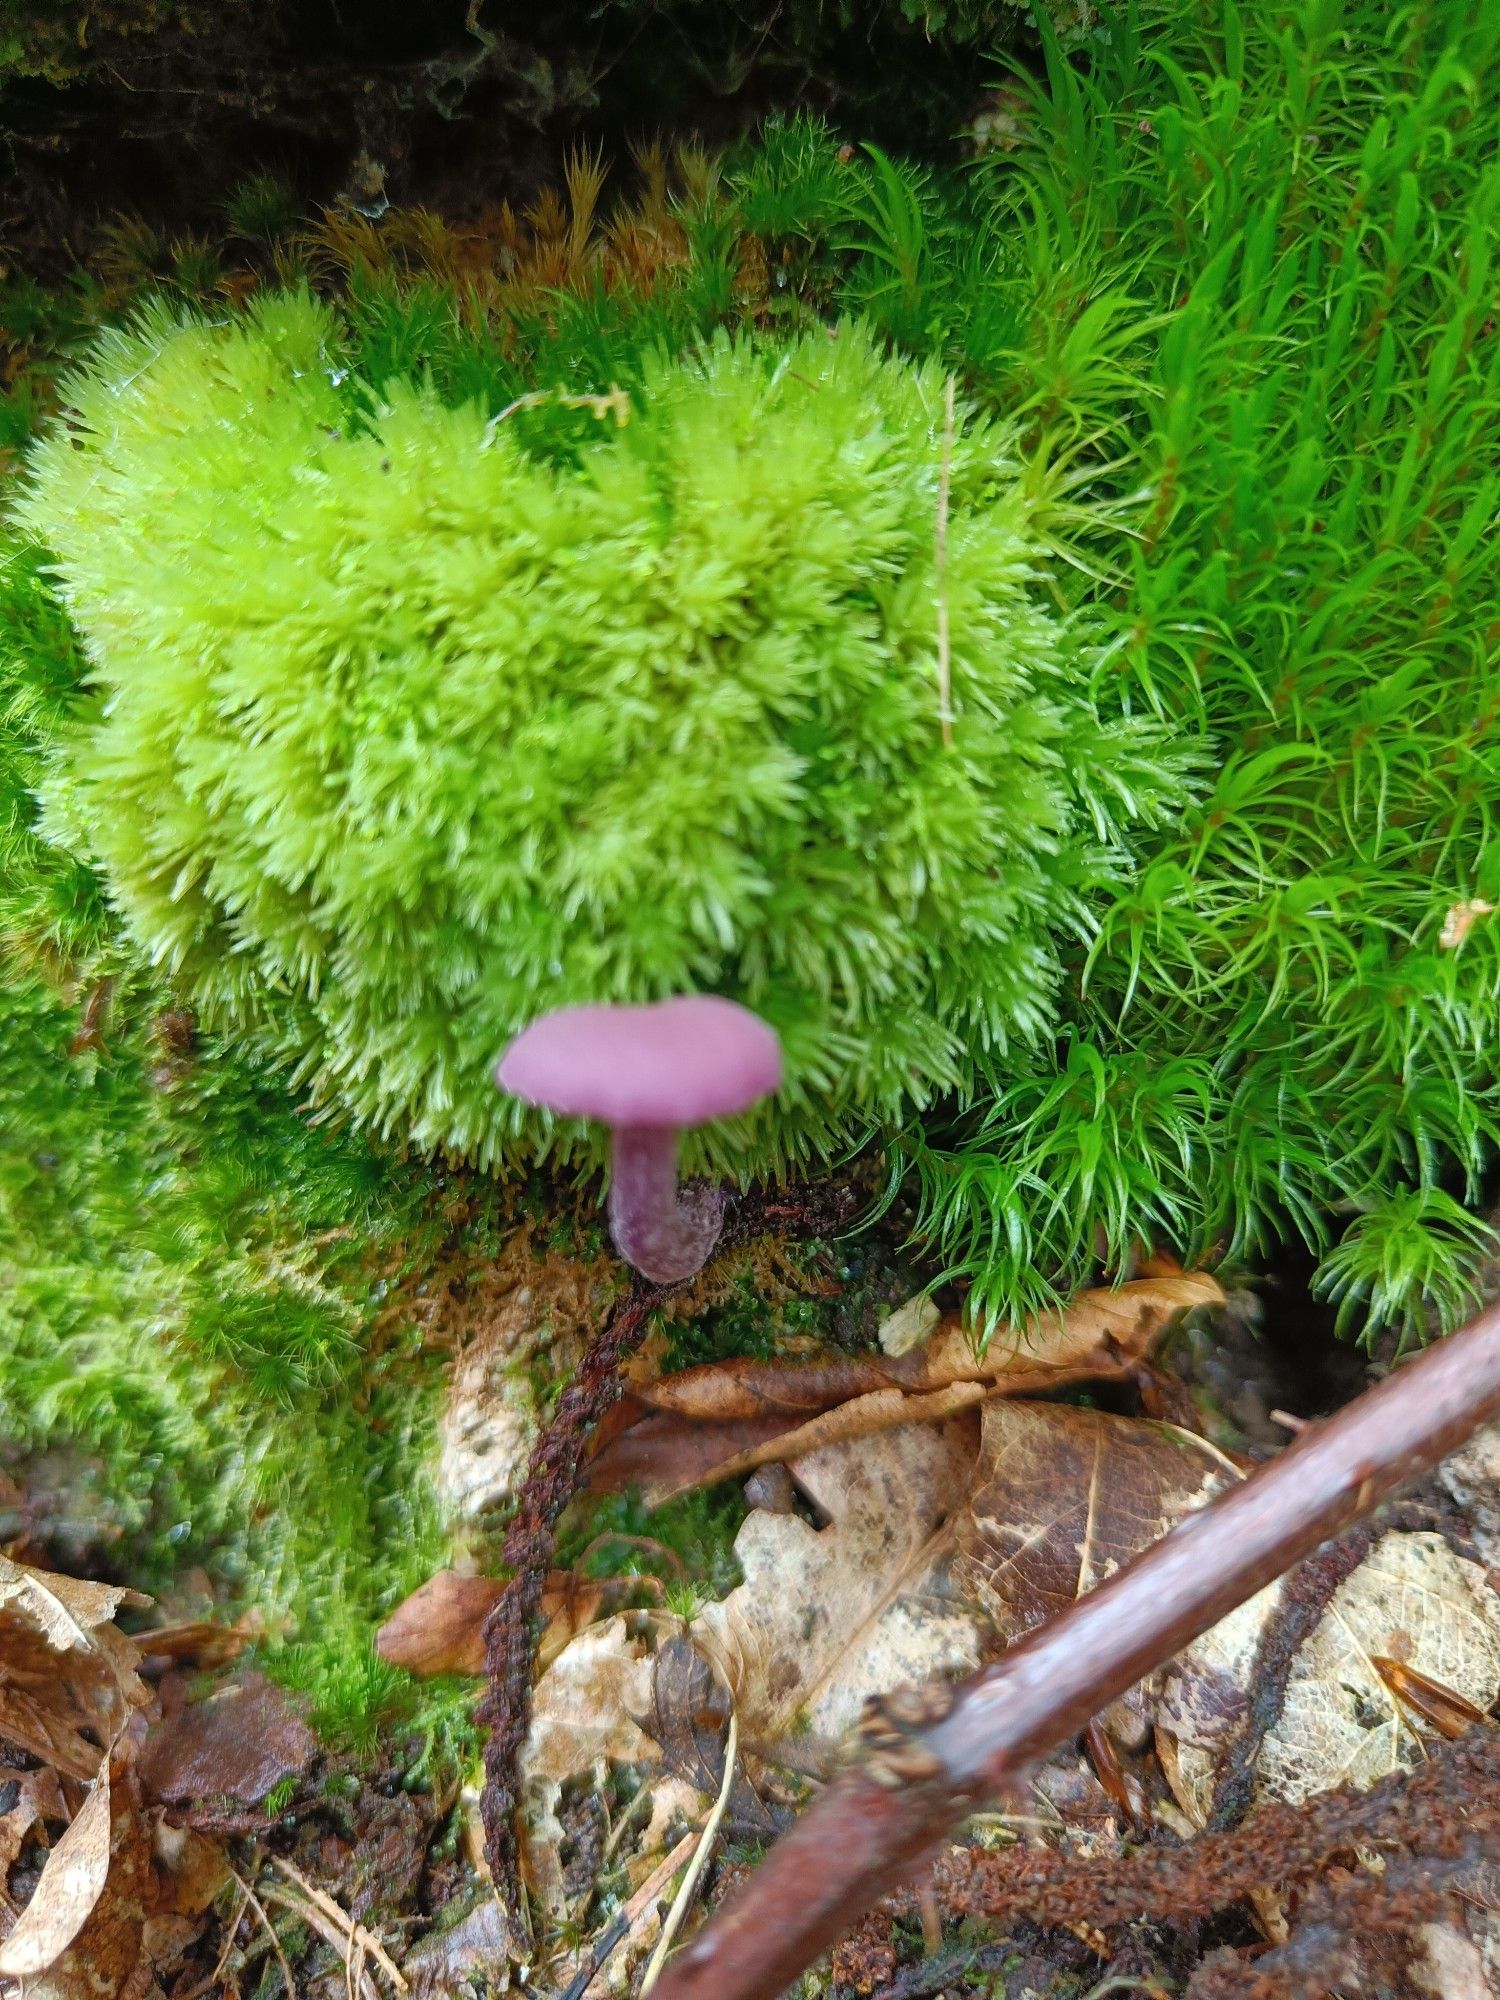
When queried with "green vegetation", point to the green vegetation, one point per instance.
{"points": [[1253, 262], [1221, 313], [399, 736], [192, 1274]]}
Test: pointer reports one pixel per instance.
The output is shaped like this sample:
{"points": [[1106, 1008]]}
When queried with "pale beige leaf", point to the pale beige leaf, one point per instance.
{"points": [[523, 1324], [70, 1886], [65, 1611], [1472, 1475], [1203, 1701], [1460, 920], [1448, 1965], [826, 1617], [1413, 1599], [908, 1326], [582, 1720], [1099, 1334]]}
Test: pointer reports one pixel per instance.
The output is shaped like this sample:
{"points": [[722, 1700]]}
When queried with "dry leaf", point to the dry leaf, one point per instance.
{"points": [[70, 1886], [440, 1627], [689, 1719], [201, 1642], [663, 1454], [722, 1419], [68, 1680], [689, 1454], [908, 1326], [26, 1797], [237, 1743], [825, 1618], [1472, 1475], [1413, 1599], [536, 1318], [1101, 1334], [582, 1720], [1063, 1497], [191, 1870], [1447, 1965]]}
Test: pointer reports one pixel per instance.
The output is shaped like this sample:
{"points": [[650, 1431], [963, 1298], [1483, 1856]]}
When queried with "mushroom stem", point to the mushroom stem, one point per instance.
{"points": [[664, 1234]]}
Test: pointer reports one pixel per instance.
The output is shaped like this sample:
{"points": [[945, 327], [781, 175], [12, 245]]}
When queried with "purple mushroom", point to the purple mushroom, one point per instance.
{"points": [[648, 1072]]}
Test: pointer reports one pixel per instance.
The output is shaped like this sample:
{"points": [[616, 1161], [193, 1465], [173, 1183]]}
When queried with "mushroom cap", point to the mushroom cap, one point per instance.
{"points": [[682, 1061]]}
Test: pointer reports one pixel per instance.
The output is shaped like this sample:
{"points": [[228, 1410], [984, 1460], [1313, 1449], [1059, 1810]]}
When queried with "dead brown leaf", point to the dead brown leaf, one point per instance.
{"points": [[237, 1743], [687, 1454], [460, 1961], [71, 1884], [664, 1454], [68, 1680], [689, 1717], [824, 1618], [33, 1797], [1102, 1334], [1064, 1496], [104, 1916], [439, 1629], [201, 1642], [722, 1419]]}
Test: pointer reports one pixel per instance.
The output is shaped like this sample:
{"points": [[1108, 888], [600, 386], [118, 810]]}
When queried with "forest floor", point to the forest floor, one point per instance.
{"points": [[766, 1538]]}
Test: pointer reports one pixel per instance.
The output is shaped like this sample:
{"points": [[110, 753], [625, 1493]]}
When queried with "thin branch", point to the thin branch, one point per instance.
{"points": [[932, 1755], [552, 1477], [940, 572], [369, 1945]]}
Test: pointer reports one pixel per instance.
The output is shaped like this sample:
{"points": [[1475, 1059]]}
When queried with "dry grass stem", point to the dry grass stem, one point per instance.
{"points": [[353, 1942], [683, 1901]]}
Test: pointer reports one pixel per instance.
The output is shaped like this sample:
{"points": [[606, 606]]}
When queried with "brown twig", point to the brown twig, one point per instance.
{"points": [[552, 1478], [875, 1827]]}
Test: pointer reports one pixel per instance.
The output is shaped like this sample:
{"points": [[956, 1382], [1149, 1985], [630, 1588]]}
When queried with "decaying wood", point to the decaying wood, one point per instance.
{"points": [[933, 1762]]}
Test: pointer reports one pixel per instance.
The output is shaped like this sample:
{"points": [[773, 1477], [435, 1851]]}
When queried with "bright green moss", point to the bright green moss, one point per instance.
{"points": [[1252, 251], [188, 1275], [401, 736]]}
